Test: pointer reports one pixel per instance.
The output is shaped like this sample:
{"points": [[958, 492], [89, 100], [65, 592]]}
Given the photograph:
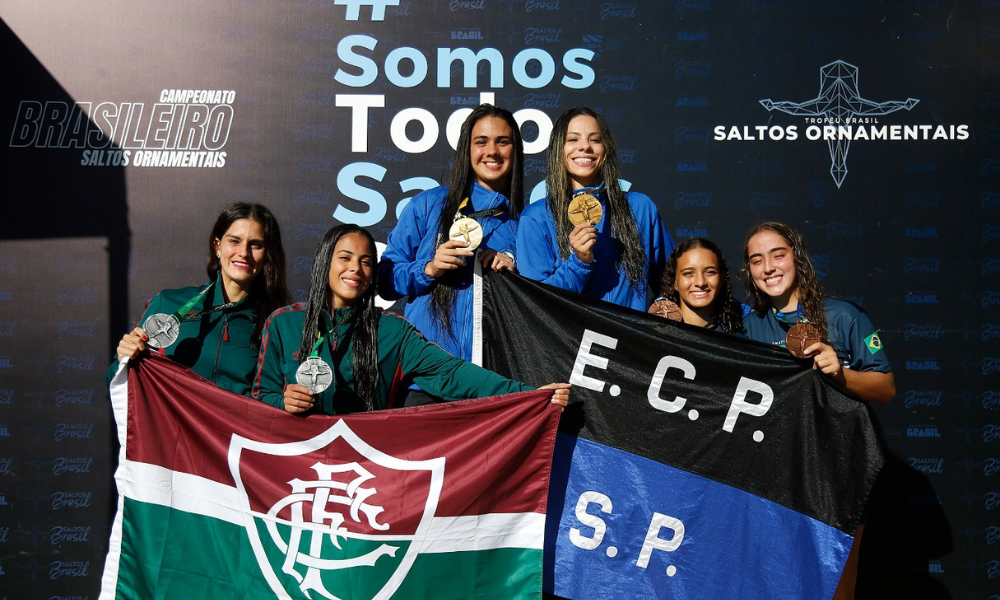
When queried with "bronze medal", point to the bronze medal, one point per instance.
{"points": [[466, 230], [666, 309], [799, 337], [162, 329], [585, 208]]}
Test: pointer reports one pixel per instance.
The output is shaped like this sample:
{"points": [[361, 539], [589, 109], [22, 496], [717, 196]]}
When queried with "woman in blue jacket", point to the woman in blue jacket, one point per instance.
{"points": [[427, 257], [589, 236]]}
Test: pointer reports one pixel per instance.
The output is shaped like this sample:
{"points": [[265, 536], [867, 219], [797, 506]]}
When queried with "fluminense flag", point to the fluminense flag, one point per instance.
{"points": [[690, 464], [222, 496]]}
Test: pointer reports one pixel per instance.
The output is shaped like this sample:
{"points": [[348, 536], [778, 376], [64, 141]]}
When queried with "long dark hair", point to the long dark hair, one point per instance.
{"points": [[459, 181], [724, 307], [623, 226], [808, 289], [366, 375], [269, 291]]}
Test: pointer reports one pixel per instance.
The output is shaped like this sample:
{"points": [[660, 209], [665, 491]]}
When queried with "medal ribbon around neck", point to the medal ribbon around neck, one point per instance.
{"points": [[163, 329], [314, 372], [466, 225], [783, 320]]}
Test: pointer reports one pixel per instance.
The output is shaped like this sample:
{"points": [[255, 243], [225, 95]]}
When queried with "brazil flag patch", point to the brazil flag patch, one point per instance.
{"points": [[874, 343]]}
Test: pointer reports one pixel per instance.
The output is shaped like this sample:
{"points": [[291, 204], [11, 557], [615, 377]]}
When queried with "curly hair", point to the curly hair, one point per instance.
{"points": [[459, 181], [724, 306], [268, 291], [808, 288], [365, 348], [619, 213]]}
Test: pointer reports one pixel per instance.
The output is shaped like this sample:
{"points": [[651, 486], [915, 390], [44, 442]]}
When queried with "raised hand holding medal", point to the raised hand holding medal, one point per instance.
{"points": [[163, 329], [466, 230], [314, 374], [584, 208], [584, 212], [801, 336], [464, 236]]}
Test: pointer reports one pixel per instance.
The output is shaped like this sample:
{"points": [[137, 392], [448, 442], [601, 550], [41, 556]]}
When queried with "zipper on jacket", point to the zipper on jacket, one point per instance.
{"points": [[218, 345]]}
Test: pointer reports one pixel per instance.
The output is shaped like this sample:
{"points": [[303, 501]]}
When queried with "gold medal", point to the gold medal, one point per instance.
{"points": [[466, 230], [585, 208]]}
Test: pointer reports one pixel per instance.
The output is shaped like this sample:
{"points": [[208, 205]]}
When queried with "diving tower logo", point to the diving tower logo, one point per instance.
{"points": [[838, 115]]}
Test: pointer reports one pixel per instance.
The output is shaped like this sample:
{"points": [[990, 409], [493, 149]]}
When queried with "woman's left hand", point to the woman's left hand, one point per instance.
{"points": [[561, 394], [495, 261]]}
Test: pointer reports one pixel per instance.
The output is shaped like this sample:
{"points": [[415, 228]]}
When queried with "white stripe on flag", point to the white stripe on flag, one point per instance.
{"points": [[196, 495], [485, 532], [182, 491]]}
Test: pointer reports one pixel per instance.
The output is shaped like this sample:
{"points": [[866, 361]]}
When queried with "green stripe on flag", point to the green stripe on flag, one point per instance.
{"points": [[189, 556]]}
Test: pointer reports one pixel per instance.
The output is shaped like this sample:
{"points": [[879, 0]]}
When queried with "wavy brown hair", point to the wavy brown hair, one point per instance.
{"points": [[808, 288], [724, 306], [619, 213]]}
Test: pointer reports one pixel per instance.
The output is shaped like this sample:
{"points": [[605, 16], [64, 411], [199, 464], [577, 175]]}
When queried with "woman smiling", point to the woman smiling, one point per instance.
{"points": [[338, 353], [215, 329]]}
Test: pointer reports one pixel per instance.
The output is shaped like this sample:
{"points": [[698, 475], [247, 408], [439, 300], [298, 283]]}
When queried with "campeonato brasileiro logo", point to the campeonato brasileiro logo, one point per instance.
{"points": [[184, 128], [341, 528], [838, 115]]}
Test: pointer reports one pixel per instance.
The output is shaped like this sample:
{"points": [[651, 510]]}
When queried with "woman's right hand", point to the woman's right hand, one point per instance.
{"points": [[298, 398], [133, 344], [448, 257], [561, 394], [582, 239]]}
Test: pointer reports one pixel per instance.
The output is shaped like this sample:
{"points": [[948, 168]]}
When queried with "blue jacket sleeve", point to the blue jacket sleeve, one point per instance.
{"points": [[538, 258], [504, 237], [866, 346], [401, 270]]}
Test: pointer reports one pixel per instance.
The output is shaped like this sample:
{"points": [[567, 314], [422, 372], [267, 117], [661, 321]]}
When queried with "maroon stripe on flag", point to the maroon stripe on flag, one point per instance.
{"points": [[497, 451]]}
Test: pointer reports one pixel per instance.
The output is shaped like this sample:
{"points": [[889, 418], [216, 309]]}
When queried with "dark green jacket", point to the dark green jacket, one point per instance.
{"points": [[215, 345], [403, 354]]}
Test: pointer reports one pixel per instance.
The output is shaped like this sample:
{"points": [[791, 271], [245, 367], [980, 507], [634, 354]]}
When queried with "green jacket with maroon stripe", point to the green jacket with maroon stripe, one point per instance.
{"points": [[214, 345], [404, 354]]}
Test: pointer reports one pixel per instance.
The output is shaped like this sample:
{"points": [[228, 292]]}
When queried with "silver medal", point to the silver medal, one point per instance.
{"points": [[315, 374], [162, 329]]}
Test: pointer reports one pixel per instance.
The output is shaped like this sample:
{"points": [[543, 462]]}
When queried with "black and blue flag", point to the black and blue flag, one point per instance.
{"points": [[690, 464]]}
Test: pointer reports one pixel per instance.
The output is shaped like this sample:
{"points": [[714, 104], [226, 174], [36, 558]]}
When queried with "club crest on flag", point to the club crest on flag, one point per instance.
{"points": [[344, 519]]}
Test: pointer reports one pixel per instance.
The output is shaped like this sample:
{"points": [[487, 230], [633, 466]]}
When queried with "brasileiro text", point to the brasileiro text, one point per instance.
{"points": [[186, 128]]}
